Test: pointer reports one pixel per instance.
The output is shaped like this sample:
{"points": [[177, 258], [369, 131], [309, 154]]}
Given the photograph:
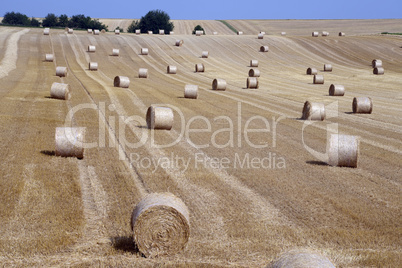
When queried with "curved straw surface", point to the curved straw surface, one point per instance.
{"points": [[121, 81], [219, 84], [159, 117], [313, 111], [60, 91], [343, 150], [61, 71], [69, 141], [362, 105], [336, 90], [311, 71], [253, 63], [301, 259], [318, 79], [252, 82], [254, 73], [378, 70], [191, 91]]}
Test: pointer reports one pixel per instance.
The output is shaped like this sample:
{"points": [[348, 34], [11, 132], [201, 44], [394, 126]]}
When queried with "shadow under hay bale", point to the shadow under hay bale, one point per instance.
{"points": [[48, 152], [125, 243]]}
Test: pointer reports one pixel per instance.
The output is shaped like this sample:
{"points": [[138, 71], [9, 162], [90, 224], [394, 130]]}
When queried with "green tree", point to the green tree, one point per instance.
{"points": [[156, 20], [50, 20], [198, 28], [133, 26], [35, 22], [63, 21], [13, 18]]}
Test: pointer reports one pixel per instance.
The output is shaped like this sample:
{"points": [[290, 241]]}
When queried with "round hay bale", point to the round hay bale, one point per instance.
{"points": [[342, 34], [362, 105], [260, 36], [191, 91], [159, 118], [252, 82], [378, 70], [327, 68], [239, 33], [264, 49], [376, 63], [283, 33], [315, 34], [215, 33], [93, 66], [205, 54], [61, 71], [171, 33], [171, 69], [70, 31], [91, 48], [343, 150], [46, 31], [144, 51], [313, 111], [60, 91], [318, 79], [103, 31], [137, 31], [199, 33], [199, 68], [254, 73], [96, 32], [261, 32], [150, 32], [253, 63], [219, 84], [325, 33], [179, 43], [161, 32], [115, 52], [69, 141], [336, 90], [121, 81], [117, 31], [143, 73], [49, 57], [161, 225], [311, 71], [301, 259], [89, 31]]}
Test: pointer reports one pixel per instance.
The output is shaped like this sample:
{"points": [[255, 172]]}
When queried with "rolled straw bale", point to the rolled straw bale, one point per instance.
{"points": [[89, 31], [191, 91], [69, 141], [199, 33], [254, 73], [283, 33], [143, 73], [115, 52], [342, 34], [179, 43], [150, 32], [137, 31], [93, 66], [144, 51], [301, 259], [60, 91], [117, 31], [253, 63], [199, 68], [378, 70], [260, 36], [239, 33], [219, 84], [46, 31], [264, 49], [61, 71], [215, 33], [121, 81], [311, 71], [252, 82], [70, 31], [205, 54], [362, 105], [313, 111], [262, 32], [171, 69], [49, 57], [96, 32], [336, 90], [315, 34], [376, 63], [318, 79], [91, 48], [103, 31], [327, 68], [159, 118], [161, 32], [325, 33], [343, 150], [171, 33], [161, 225]]}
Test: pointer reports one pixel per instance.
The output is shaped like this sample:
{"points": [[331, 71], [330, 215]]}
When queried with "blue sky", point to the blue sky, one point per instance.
{"points": [[212, 9]]}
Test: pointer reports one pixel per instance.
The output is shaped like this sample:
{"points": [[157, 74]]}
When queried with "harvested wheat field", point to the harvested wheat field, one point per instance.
{"points": [[252, 174]]}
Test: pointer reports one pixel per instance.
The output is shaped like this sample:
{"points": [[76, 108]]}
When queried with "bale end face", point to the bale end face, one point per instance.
{"points": [[343, 150]]}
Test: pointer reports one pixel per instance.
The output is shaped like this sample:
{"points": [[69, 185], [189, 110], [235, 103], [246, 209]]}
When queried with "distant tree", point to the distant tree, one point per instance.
{"points": [[63, 21], [198, 28], [35, 22], [50, 20], [156, 20], [133, 26], [96, 24], [13, 18]]}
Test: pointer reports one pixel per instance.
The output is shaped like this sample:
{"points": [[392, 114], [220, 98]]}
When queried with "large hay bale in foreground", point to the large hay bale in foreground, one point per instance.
{"points": [[179, 43], [171, 69], [362, 105], [91, 48], [61, 71], [318, 79], [159, 118], [144, 51], [301, 259], [253, 63], [205, 54], [264, 49], [315, 34], [327, 68], [336, 90], [252, 82], [219, 84], [376, 63], [143, 73], [191, 91], [93, 66], [121, 81], [254, 73], [69, 141], [161, 225], [313, 111], [46, 31], [60, 91], [378, 70], [199, 68], [311, 71], [49, 57], [115, 52], [343, 150]]}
